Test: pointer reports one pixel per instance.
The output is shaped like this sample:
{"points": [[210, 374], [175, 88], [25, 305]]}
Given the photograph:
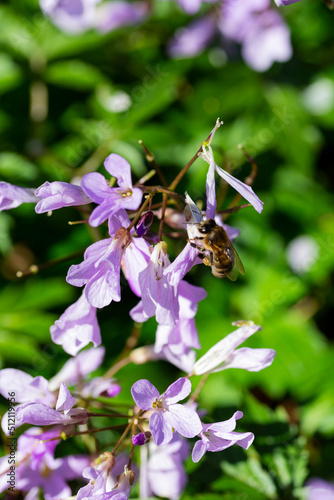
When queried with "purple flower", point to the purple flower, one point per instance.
{"points": [[167, 415], [113, 15], [162, 472], [26, 388], [224, 354], [285, 2], [192, 6], [242, 188], [58, 194], [12, 196], [100, 386], [100, 270], [111, 200], [77, 327], [42, 414], [262, 33], [175, 343], [72, 16], [219, 436], [193, 39], [75, 369], [318, 489], [159, 298], [37, 468], [103, 483]]}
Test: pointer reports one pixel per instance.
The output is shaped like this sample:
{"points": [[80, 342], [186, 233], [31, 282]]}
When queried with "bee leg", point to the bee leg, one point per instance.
{"points": [[194, 245]]}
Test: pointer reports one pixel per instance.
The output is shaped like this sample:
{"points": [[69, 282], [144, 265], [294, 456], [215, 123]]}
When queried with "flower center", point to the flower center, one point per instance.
{"points": [[159, 405]]}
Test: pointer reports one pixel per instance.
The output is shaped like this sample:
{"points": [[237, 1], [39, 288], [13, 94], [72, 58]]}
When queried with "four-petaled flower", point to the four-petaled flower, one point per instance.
{"points": [[219, 436], [111, 200], [167, 414]]}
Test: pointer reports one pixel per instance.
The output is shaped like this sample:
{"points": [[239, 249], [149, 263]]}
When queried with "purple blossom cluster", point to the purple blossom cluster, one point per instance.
{"points": [[159, 424], [255, 25]]}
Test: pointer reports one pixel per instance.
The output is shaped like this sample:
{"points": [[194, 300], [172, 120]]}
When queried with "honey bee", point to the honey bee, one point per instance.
{"points": [[217, 251]]}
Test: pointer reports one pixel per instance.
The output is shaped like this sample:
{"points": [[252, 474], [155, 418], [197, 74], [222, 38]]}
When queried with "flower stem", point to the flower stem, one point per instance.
{"points": [[123, 436]]}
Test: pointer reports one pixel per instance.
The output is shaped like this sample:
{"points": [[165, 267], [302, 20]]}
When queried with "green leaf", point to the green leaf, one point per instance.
{"points": [[10, 73], [17, 168], [74, 74]]}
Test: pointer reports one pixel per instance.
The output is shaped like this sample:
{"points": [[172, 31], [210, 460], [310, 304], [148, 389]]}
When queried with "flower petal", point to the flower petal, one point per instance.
{"points": [[198, 450], [177, 391], [249, 359], [144, 393], [242, 188], [184, 420], [161, 429], [118, 167]]}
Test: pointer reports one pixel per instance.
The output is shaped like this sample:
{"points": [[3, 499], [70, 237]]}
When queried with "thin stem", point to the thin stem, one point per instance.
{"points": [[123, 436], [177, 179], [163, 210], [34, 269], [141, 210], [198, 389], [64, 436], [116, 367], [232, 210], [150, 159], [111, 415], [146, 177]]}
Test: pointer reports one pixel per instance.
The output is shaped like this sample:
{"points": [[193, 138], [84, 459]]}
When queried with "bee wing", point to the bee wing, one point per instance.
{"points": [[233, 274], [238, 265]]}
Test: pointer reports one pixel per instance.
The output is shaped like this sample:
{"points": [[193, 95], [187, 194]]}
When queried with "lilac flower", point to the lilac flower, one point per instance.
{"points": [[42, 414], [26, 388], [242, 188], [100, 386], [167, 415], [100, 270], [192, 6], [12, 196], [262, 33], [37, 468], [103, 483], [174, 343], [159, 298], [113, 15], [58, 194], [318, 489], [77, 327], [193, 39], [72, 16], [224, 354], [279, 3], [219, 436], [111, 200], [75, 369], [162, 472]]}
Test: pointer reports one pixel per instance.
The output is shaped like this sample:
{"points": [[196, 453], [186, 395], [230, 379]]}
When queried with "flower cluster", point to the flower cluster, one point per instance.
{"points": [[159, 423], [259, 29]]}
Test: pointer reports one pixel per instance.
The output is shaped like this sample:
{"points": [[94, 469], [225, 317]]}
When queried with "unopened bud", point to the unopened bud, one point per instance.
{"points": [[144, 223], [141, 438]]}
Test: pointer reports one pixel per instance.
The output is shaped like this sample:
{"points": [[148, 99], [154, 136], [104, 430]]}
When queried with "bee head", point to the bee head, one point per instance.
{"points": [[206, 226]]}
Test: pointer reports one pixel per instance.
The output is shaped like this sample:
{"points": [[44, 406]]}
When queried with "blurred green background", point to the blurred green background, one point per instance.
{"points": [[60, 117]]}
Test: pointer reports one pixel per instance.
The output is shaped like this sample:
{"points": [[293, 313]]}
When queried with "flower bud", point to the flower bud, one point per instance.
{"points": [[144, 223], [141, 438]]}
